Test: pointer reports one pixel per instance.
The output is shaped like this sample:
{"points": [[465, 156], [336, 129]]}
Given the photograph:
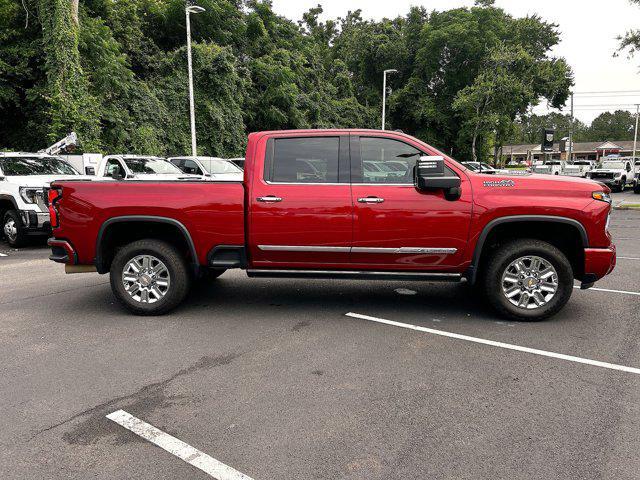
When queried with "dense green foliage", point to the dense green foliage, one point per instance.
{"points": [[618, 125], [118, 75]]}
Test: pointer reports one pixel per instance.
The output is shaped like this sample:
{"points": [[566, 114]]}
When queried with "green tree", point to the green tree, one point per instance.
{"points": [[618, 125]]}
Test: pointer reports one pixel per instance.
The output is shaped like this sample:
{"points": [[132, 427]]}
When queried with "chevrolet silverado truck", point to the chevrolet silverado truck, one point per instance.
{"points": [[522, 240]]}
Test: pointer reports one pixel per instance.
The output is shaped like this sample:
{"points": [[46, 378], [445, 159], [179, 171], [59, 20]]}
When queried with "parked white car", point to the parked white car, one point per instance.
{"points": [[24, 180], [141, 167], [213, 168], [579, 168], [550, 167], [616, 173]]}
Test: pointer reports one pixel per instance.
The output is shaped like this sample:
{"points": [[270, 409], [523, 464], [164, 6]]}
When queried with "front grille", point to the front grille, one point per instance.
{"points": [[601, 175]]}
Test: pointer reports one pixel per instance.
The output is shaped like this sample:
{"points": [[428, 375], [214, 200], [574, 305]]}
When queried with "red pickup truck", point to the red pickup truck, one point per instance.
{"points": [[349, 204]]}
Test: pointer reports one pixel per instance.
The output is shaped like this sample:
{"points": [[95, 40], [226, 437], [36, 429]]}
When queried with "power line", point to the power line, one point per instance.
{"points": [[607, 91]]}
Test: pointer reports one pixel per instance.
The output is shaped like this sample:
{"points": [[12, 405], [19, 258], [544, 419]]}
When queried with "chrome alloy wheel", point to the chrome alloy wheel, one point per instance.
{"points": [[146, 279], [530, 282], [10, 229]]}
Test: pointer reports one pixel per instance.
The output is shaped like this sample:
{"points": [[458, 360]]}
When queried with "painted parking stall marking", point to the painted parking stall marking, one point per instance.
{"points": [[183, 451], [637, 294], [3, 255], [508, 346]]}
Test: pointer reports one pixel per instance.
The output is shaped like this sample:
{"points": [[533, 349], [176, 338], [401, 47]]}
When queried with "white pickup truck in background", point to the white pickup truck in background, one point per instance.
{"points": [[549, 167], [579, 168], [24, 178], [141, 167], [213, 168], [615, 172]]}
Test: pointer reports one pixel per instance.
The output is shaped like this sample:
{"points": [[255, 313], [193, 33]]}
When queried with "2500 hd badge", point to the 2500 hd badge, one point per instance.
{"points": [[500, 183]]}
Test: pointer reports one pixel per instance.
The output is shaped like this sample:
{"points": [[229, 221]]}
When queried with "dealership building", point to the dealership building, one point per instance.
{"points": [[581, 151]]}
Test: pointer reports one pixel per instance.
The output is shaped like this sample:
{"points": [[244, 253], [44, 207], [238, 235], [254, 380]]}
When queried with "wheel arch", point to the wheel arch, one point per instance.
{"points": [[482, 245], [109, 231]]}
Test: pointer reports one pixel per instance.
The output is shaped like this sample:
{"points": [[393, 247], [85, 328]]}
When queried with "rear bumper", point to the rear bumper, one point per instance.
{"points": [[62, 252], [598, 262]]}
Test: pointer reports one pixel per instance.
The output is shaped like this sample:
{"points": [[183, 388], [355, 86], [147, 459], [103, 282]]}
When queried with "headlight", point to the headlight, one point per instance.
{"points": [[602, 196], [30, 194]]}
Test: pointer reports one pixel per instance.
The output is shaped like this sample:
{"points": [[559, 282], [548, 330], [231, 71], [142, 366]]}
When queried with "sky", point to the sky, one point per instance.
{"points": [[588, 30]]}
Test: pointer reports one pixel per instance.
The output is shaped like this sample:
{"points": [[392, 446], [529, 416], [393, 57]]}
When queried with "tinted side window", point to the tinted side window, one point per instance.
{"points": [[387, 161], [304, 160]]}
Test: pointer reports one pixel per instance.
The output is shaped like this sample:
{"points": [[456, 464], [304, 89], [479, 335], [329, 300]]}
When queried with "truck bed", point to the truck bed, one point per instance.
{"points": [[212, 212]]}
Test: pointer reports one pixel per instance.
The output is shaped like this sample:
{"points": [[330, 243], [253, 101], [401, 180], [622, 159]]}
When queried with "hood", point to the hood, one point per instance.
{"points": [[156, 176], [539, 183], [42, 180], [608, 170], [229, 177]]}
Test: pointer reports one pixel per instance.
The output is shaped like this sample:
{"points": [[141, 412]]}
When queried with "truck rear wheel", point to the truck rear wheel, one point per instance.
{"points": [[528, 280], [149, 277]]}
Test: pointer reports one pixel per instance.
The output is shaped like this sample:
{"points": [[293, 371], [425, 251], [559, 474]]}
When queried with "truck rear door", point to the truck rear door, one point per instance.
{"points": [[300, 207], [397, 227]]}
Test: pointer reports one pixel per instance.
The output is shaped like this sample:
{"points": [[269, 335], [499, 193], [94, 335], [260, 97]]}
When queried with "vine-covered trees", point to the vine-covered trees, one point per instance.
{"points": [[116, 73]]}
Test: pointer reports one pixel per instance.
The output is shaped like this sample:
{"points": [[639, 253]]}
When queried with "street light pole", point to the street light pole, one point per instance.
{"points": [[192, 108], [635, 136], [571, 131], [384, 94]]}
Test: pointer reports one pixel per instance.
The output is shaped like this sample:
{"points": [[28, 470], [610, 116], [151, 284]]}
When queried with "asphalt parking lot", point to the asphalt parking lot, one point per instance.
{"points": [[272, 378]]}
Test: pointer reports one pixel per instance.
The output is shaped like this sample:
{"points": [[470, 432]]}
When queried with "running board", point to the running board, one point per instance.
{"points": [[356, 275]]}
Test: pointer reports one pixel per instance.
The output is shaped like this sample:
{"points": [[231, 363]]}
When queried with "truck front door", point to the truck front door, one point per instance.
{"points": [[300, 208], [397, 227]]}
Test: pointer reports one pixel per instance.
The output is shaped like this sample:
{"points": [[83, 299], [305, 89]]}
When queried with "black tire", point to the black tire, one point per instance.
{"points": [[636, 188], [500, 260], [19, 238], [623, 185], [213, 273], [178, 273]]}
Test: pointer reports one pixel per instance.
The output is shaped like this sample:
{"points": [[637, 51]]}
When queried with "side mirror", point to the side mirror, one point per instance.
{"points": [[89, 171], [431, 175]]}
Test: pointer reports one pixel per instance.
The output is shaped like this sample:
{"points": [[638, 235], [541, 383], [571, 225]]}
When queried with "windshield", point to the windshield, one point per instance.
{"points": [[473, 166], [152, 165], [217, 166], [35, 166], [613, 165]]}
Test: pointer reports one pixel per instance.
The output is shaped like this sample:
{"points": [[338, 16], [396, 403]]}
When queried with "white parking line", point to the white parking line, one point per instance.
{"points": [[609, 291], [177, 447], [628, 258], [492, 343], [3, 255]]}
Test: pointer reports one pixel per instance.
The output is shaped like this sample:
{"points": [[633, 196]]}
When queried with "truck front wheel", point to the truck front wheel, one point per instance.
{"points": [[528, 280], [149, 277], [13, 229]]}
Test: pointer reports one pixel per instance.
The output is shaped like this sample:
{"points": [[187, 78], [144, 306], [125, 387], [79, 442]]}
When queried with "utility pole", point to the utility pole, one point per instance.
{"points": [[384, 94], [192, 108], [571, 131], [635, 136]]}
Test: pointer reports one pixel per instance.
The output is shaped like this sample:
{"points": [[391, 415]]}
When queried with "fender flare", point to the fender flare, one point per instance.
{"points": [[472, 271], [144, 218]]}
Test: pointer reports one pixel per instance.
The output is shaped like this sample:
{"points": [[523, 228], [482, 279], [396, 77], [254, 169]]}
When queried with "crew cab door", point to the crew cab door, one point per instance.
{"points": [[397, 227], [300, 208]]}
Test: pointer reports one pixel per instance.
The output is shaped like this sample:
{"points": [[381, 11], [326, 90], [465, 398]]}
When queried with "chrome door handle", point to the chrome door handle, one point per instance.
{"points": [[371, 200], [269, 199]]}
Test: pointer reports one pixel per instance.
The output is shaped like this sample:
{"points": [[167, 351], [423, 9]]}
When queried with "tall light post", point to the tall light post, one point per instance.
{"points": [[635, 136], [192, 109], [384, 94]]}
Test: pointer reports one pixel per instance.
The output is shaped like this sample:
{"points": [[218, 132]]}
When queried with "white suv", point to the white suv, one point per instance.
{"points": [[24, 180]]}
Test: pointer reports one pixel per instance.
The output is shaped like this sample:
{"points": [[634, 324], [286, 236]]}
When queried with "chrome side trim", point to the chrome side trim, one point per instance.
{"points": [[303, 248], [405, 250], [396, 250]]}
